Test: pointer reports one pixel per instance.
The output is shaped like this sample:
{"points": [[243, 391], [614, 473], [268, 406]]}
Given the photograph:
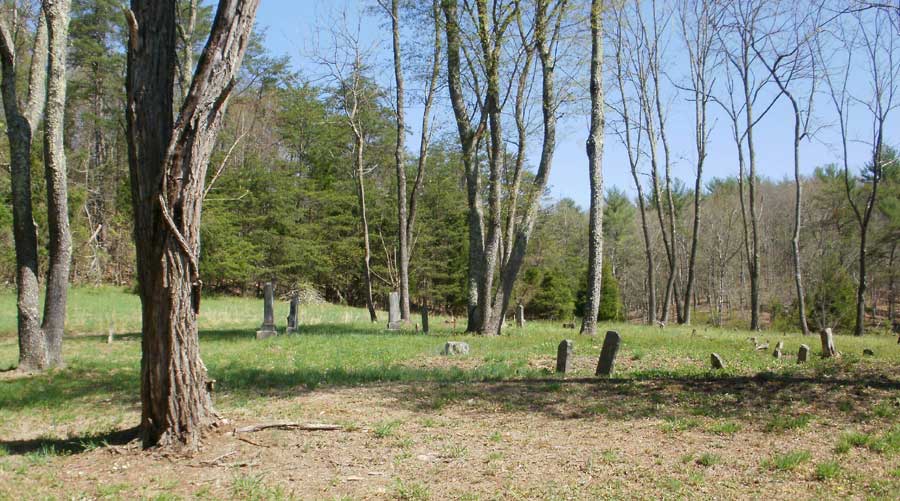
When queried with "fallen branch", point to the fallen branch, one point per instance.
{"points": [[287, 425]]}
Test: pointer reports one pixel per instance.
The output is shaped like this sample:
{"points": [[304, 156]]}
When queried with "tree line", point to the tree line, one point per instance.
{"points": [[308, 180]]}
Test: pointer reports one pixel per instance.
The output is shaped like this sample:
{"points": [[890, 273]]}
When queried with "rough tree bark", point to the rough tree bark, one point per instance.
{"points": [[40, 342], [595, 169], [469, 137], [168, 162]]}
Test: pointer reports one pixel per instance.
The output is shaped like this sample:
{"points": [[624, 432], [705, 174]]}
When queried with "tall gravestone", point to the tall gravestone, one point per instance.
{"points": [[520, 316], [394, 311], [268, 326], [778, 348], [715, 360], [292, 319], [564, 355], [827, 339], [607, 361], [425, 319]]}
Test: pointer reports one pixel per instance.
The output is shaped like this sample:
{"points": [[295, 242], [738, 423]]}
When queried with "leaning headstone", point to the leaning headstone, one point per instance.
{"points": [[293, 323], [803, 354], [827, 339], [778, 348], [425, 319], [520, 316], [456, 348], [268, 326], [607, 361], [716, 361], [393, 311], [564, 356], [868, 353]]}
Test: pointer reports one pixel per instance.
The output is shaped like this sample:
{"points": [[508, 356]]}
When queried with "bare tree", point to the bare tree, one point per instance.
{"points": [[40, 342], [630, 133], [594, 148], [698, 23], [168, 160], [868, 31], [794, 69]]}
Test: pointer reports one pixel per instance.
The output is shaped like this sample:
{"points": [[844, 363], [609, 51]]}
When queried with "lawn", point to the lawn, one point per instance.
{"points": [[497, 423]]}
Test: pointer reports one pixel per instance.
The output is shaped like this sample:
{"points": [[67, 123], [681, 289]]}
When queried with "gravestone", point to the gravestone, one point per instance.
{"points": [[425, 319], [393, 311], [778, 348], [292, 320], [803, 354], [827, 339], [716, 361], [456, 348], [868, 353], [607, 361], [520, 316], [564, 355], [268, 326]]}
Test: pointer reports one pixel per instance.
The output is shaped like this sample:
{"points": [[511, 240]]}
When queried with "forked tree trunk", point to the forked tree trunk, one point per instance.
{"points": [[168, 163], [399, 151], [595, 170], [60, 242]]}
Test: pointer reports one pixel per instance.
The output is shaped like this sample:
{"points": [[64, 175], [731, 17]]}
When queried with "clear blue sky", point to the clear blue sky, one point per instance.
{"points": [[292, 27]]}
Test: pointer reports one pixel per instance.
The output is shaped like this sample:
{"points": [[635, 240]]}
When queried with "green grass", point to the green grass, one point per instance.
{"points": [[827, 470], [709, 459], [784, 423], [786, 462]]}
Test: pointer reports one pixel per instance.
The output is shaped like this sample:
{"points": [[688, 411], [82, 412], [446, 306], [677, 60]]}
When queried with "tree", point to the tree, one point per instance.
{"points": [[168, 159], [610, 300], [40, 344], [595, 168]]}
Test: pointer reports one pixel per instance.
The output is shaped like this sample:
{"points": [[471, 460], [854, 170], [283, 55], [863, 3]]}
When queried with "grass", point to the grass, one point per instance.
{"points": [[662, 378], [787, 462]]}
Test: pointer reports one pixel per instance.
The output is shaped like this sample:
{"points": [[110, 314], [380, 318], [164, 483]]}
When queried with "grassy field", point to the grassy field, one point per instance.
{"points": [[496, 424]]}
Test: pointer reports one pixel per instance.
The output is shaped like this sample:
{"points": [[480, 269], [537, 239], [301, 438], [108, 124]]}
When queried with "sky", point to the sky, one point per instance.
{"points": [[293, 26]]}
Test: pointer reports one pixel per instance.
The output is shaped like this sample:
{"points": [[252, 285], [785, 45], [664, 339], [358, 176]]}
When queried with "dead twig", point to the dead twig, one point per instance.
{"points": [[287, 425]]}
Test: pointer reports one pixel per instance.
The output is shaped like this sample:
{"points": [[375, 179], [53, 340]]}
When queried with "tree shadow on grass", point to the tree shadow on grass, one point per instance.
{"points": [[75, 445], [760, 398]]}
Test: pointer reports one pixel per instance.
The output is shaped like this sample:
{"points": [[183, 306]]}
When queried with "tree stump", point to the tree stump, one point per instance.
{"points": [[827, 338]]}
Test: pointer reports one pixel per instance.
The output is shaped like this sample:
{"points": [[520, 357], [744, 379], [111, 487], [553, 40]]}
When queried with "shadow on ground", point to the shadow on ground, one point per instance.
{"points": [[75, 445]]}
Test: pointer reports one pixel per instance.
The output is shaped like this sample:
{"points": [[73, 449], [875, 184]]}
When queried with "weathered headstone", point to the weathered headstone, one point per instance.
{"points": [[425, 319], [564, 356], [520, 316], [293, 322], [868, 353], [827, 339], [778, 348], [268, 326], [716, 361], [456, 348], [393, 311], [803, 354], [607, 361]]}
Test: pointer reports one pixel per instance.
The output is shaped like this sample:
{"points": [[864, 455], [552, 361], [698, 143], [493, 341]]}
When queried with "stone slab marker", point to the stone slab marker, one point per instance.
{"points": [[520, 316], [292, 320], [716, 361], [394, 311], [456, 348], [564, 356], [803, 354], [268, 326], [827, 339], [607, 361], [778, 348], [425, 319]]}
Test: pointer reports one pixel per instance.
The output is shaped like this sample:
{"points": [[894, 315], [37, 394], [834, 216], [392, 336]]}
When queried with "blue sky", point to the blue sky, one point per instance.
{"points": [[292, 27]]}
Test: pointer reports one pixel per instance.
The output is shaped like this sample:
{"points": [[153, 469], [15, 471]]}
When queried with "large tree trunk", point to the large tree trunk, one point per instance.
{"points": [[469, 139], [60, 245], [20, 126], [795, 239], [399, 151], [595, 169], [168, 163]]}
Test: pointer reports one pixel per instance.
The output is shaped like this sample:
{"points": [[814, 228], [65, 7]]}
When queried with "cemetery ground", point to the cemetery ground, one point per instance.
{"points": [[495, 424]]}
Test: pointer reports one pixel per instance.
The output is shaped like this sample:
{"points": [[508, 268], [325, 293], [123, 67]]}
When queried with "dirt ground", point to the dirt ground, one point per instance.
{"points": [[547, 439]]}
